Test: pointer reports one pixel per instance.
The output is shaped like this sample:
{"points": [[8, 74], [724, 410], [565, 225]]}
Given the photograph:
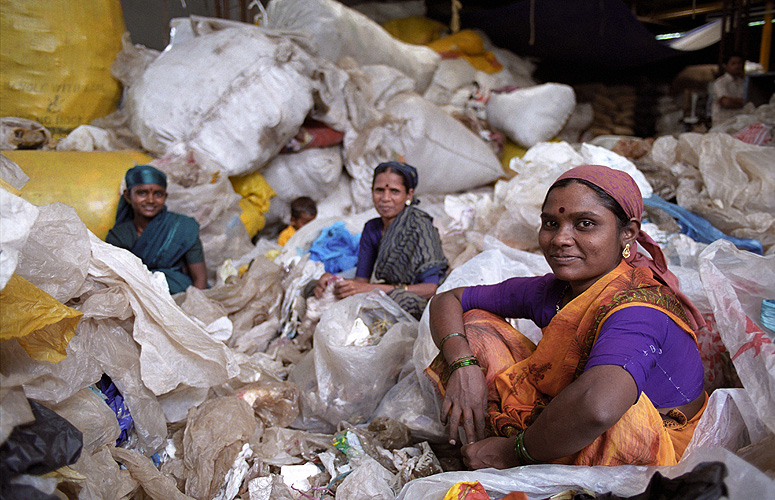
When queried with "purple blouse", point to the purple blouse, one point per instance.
{"points": [[661, 357], [369, 247]]}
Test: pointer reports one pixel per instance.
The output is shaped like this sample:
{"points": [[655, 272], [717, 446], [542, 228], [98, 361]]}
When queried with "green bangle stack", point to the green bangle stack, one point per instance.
{"points": [[523, 457], [461, 362]]}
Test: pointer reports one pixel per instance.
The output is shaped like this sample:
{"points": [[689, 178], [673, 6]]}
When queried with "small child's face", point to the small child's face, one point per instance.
{"points": [[302, 220]]}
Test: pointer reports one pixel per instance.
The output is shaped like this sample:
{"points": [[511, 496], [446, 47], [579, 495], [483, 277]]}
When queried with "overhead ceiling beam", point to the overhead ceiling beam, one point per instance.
{"points": [[678, 13]]}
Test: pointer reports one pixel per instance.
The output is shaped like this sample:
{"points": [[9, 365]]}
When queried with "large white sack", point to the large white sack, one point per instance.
{"points": [[339, 31], [447, 155], [531, 115], [237, 95], [312, 172]]}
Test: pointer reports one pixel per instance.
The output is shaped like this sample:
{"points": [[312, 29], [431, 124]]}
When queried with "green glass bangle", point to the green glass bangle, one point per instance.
{"points": [[441, 344], [460, 363], [523, 457]]}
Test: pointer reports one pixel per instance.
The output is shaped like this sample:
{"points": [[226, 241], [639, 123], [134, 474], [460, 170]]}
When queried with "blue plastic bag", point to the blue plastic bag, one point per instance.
{"points": [[699, 229], [336, 248]]}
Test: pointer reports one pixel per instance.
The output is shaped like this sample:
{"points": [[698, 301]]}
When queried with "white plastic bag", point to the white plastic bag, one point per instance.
{"points": [[17, 217], [532, 115], [339, 31], [743, 480], [736, 281], [346, 382]]}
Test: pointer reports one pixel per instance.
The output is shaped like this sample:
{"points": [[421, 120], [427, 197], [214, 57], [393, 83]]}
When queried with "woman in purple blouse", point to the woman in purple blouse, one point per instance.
{"points": [[400, 251], [616, 378]]}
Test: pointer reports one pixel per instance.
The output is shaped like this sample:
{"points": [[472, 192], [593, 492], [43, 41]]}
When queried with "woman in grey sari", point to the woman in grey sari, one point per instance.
{"points": [[400, 251]]}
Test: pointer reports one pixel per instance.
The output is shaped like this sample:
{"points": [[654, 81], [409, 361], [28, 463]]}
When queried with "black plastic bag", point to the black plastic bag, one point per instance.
{"points": [[45, 445]]}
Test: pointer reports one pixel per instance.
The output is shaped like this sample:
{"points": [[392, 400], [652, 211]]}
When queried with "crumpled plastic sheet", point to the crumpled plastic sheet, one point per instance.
{"points": [[283, 446], [98, 347], [11, 173], [17, 217], [88, 412], [99, 477], [174, 349], [736, 282], [57, 253], [215, 433], [270, 487], [41, 446], [251, 299], [14, 408], [40, 323], [275, 402], [730, 421], [369, 480], [330, 376], [732, 186], [155, 484], [541, 481]]}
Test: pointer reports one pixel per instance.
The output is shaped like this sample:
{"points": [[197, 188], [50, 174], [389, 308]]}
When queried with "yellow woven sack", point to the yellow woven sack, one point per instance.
{"points": [[87, 181], [416, 30], [55, 58], [40, 323], [468, 45], [256, 194]]}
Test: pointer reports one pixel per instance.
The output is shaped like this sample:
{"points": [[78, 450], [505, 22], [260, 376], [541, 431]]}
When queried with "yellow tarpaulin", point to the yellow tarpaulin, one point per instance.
{"points": [[87, 181]]}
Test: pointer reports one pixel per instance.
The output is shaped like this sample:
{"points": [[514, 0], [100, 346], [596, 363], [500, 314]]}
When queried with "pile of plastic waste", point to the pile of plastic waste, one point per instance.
{"points": [[111, 388]]}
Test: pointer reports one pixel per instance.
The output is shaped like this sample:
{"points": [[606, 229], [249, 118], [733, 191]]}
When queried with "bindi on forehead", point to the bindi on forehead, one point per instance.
{"points": [[562, 210]]}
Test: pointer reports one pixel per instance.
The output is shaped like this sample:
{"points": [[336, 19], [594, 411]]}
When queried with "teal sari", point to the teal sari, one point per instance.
{"points": [[162, 246]]}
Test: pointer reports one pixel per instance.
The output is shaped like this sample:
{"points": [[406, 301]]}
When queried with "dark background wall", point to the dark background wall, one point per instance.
{"points": [[148, 20]]}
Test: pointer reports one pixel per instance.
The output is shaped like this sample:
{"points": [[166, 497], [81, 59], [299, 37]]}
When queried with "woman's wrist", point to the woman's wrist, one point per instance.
{"points": [[523, 456]]}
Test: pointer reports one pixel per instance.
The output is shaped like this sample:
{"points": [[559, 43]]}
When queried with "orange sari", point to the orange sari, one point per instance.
{"points": [[524, 378]]}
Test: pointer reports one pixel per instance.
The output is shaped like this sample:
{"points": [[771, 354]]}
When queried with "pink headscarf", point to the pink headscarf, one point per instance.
{"points": [[622, 188]]}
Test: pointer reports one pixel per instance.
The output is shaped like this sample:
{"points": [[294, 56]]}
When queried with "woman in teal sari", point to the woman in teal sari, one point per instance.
{"points": [[400, 251], [163, 240]]}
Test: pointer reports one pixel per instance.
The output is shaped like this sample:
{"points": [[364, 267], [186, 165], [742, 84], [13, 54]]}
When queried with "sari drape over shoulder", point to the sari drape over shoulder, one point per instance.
{"points": [[523, 380], [409, 251]]}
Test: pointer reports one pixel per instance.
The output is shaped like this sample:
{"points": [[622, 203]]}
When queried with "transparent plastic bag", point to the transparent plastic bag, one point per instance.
{"points": [[743, 480], [347, 382], [736, 281]]}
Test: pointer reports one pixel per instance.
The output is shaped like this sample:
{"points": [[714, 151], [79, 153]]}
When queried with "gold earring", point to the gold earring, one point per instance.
{"points": [[408, 202], [626, 251]]}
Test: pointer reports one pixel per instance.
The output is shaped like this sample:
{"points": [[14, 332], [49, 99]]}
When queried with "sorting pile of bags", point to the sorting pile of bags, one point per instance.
{"points": [[251, 389]]}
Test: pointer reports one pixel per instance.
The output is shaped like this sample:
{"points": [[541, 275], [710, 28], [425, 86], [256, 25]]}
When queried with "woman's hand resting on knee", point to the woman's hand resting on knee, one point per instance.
{"points": [[465, 403]]}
